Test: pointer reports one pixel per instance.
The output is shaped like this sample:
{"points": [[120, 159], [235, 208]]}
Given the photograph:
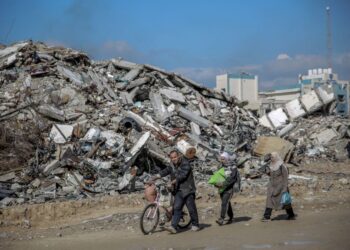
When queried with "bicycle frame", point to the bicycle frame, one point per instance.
{"points": [[152, 213], [157, 202]]}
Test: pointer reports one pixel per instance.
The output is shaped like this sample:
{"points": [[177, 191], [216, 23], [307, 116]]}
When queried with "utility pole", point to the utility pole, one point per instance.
{"points": [[329, 38]]}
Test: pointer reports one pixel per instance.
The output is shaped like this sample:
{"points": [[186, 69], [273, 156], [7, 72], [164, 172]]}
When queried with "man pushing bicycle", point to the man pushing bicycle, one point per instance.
{"points": [[184, 190]]}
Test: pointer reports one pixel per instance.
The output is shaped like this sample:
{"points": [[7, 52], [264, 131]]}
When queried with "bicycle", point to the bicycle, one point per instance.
{"points": [[151, 213]]}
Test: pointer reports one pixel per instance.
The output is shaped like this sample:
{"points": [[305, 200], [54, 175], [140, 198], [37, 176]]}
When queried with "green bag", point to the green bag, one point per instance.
{"points": [[218, 177]]}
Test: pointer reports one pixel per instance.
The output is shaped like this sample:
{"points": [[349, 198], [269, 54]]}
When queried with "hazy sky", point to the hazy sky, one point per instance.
{"points": [[275, 39]]}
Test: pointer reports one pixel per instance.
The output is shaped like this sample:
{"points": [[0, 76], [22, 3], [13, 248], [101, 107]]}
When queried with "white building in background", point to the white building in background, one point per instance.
{"points": [[319, 75], [314, 76], [243, 86]]}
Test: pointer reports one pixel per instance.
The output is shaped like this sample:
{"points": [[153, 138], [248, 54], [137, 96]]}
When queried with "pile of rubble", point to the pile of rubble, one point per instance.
{"points": [[326, 137], [317, 122], [83, 128], [74, 128]]}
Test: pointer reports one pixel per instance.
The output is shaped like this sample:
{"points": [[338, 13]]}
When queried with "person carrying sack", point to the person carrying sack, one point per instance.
{"points": [[226, 188], [278, 196]]}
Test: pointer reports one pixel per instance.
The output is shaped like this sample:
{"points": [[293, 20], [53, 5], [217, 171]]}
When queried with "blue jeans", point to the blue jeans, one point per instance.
{"points": [[179, 203]]}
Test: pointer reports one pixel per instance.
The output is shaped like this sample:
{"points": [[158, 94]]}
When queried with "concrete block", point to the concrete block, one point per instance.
{"points": [[161, 113], [191, 116], [7, 177], [61, 133], [173, 95], [294, 109], [325, 92], [269, 144], [278, 118], [311, 101], [52, 112], [326, 136], [51, 166], [264, 121]]}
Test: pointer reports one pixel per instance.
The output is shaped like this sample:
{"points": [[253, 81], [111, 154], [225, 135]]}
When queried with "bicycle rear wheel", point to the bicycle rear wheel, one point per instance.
{"points": [[149, 218], [185, 220]]}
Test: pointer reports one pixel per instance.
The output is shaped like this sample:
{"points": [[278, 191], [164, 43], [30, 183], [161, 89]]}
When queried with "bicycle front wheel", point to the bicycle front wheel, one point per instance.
{"points": [[149, 218]]}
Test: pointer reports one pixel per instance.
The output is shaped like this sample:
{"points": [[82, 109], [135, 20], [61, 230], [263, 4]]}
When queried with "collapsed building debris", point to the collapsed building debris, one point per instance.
{"points": [[104, 126], [74, 128], [313, 123]]}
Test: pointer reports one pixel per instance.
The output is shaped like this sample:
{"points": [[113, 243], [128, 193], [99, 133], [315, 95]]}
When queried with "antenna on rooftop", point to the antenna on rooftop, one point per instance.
{"points": [[329, 37]]}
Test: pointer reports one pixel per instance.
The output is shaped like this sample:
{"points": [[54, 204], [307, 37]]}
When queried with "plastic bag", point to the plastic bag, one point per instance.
{"points": [[286, 199], [218, 177]]}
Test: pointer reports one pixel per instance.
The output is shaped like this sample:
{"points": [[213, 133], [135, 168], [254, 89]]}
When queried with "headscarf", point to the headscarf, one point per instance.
{"points": [[229, 160], [276, 161]]}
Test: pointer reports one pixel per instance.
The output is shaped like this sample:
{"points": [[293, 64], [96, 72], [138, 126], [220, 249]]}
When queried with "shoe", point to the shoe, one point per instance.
{"points": [[170, 229], [195, 229], [220, 221], [265, 219], [230, 221]]}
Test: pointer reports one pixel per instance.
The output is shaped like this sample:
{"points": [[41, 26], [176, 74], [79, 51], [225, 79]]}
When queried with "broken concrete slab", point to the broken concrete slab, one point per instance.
{"points": [[138, 82], [138, 146], [72, 76], [12, 49], [173, 95], [51, 166], [326, 93], [264, 121], [99, 164], [114, 140], [74, 178], [124, 64], [311, 102], [161, 113], [61, 133], [131, 75], [7, 177], [326, 136], [196, 130], [294, 109], [278, 118], [52, 112], [286, 129], [92, 135], [191, 116], [271, 144]]}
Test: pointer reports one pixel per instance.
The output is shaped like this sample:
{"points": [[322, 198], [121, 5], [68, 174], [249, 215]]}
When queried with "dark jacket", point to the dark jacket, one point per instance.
{"points": [[183, 175], [231, 179]]}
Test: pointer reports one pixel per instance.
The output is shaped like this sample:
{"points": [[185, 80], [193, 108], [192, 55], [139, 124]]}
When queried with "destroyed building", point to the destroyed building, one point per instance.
{"points": [[73, 128]]}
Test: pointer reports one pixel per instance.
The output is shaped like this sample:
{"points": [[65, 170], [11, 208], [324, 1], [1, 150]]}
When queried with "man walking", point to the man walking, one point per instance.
{"points": [[181, 176]]}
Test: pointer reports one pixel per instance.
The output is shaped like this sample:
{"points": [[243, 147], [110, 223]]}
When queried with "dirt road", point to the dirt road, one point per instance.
{"points": [[321, 229], [322, 205]]}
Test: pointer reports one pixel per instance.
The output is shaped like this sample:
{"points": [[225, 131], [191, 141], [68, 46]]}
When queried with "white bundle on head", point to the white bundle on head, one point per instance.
{"points": [[229, 159], [276, 161]]}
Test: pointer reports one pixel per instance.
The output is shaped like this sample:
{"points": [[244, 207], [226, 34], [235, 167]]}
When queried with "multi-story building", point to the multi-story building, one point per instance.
{"points": [[243, 86]]}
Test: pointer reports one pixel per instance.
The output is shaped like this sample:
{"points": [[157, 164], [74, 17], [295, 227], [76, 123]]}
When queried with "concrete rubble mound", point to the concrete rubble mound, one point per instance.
{"points": [[72, 127]]}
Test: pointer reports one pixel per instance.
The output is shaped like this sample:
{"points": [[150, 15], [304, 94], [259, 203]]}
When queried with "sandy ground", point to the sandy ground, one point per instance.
{"points": [[314, 229], [323, 221]]}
